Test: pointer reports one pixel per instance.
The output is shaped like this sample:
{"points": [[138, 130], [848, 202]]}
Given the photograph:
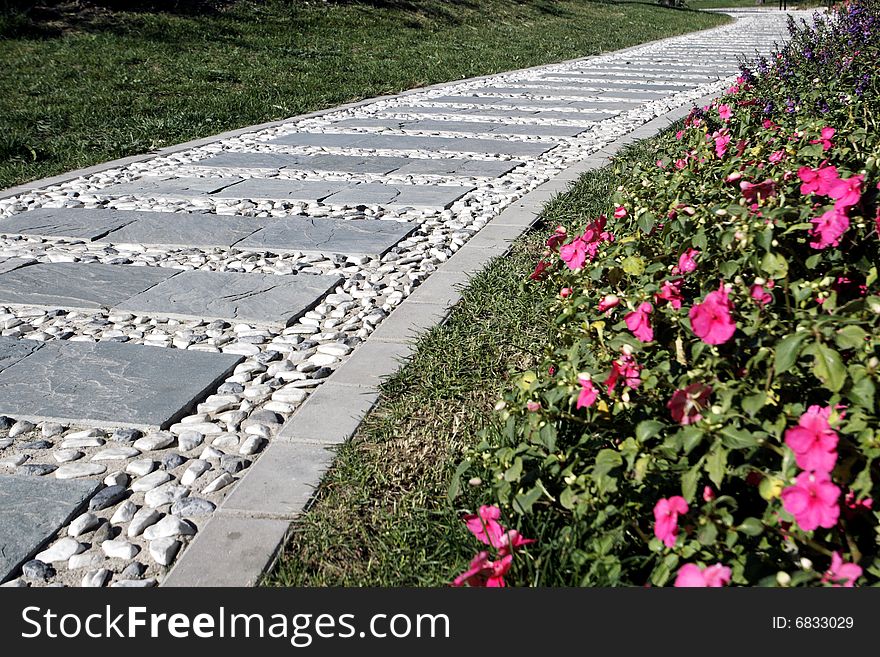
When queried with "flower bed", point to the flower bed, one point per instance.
{"points": [[706, 413]]}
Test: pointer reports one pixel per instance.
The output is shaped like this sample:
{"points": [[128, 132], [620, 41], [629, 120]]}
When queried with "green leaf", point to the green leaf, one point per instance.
{"points": [[754, 403], [648, 429], [775, 265], [850, 337], [862, 391], [646, 221], [633, 265], [568, 499], [689, 482], [455, 484], [751, 526], [690, 438], [708, 534], [716, 464], [523, 502], [737, 438], [606, 460], [787, 351], [828, 367], [514, 471]]}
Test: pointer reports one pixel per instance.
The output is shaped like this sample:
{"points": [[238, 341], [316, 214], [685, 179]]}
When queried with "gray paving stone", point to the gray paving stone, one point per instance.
{"points": [[8, 264], [447, 166], [520, 102], [262, 298], [345, 163], [347, 404], [31, 513], [410, 321], [13, 350], [67, 223], [481, 127], [77, 286], [372, 362], [110, 384], [168, 187], [413, 142], [570, 113], [415, 196], [182, 229], [241, 550], [280, 189], [325, 236]]}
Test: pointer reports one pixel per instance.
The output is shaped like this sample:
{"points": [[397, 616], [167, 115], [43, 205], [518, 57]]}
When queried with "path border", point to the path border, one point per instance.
{"points": [[243, 539]]}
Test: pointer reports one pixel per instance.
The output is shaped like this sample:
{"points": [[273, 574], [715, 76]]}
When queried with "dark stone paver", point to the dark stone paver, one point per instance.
{"points": [[13, 350], [479, 127]]}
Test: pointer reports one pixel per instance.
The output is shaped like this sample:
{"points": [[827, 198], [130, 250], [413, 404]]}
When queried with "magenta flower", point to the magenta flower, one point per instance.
{"points": [[724, 112], [686, 262], [574, 254], [557, 238], [588, 394], [826, 136], [691, 575], [754, 192], [685, 405], [711, 320], [625, 367], [776, 157], [639, 323], [620, 212], [840, 573], [812, 500], [722, 139], [671, 292], [846, 192], [761, 296], [666, 513], [540, 270], [608, 302], [485, 573], [813, 441], [585, 246], [817, 180], [828, 228], [510, 541], [708, 494], [485, 526], [681, 163]]}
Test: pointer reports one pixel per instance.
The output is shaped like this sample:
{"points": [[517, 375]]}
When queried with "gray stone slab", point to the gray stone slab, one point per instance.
{"points": [[408, 322], [70, 223], [182, 229], [110, 384], [13, 350], [399, 196], [479, 127], [266, 299], [344, 163], [413, 142], [585, 91], [229, 551], [372, 362], [77, 286], [564, 113], [348, 405], [279, 189], [448, 166], [520, 102], [168, 187], [32, 510], [8, 264], [325, 236]]}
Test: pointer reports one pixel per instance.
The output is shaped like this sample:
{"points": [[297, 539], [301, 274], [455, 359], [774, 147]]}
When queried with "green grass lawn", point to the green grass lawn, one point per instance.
{"points": [[90, 84], [381, 517]]}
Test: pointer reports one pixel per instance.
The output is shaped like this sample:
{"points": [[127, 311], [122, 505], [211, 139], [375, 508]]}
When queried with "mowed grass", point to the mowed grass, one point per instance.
{"points": [[381, 516], [93, 84]]}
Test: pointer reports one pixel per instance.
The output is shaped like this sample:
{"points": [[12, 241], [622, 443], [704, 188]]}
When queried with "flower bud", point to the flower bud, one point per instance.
{"points": [[475, 481], [500, 405], [806, 564], [783, 578]]}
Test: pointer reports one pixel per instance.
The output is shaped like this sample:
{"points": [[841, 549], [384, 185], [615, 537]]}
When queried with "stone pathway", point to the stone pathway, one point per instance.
{"points": [[162, 321]]}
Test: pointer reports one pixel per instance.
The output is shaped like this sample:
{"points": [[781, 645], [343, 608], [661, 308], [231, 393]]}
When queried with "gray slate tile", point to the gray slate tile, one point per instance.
{"points": [[13, 350], [70, 223], [32, 510], [168, 187], [181, 229], [260, 298], [396, 196], [326, 236], [77, 286], [279, 189], [344, 163], [8, 264], [110, 384], [478, 127]]}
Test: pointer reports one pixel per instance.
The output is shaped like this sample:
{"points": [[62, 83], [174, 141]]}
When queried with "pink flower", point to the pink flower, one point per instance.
{"points": [[533, 406], [681, 163], [757, 191], [588, 394], [813, 441], [608, 302], [625, 367], [721, 141], [565, 292], [540, 270], [679, 135], [666, 513], [711, 320], [708, 494], [761, 296], [685, 405], [817, 180], [828, 228], [639, 323], [574, 254], [840, 573], [812, 500], [846, 192], [686, 262], [691, 575], [619, 212], [724, 112], [485, 573], [585, 246], [557, 238], [484, 525], [510, 541], [671, 292], [826, 135], [776, 157]]}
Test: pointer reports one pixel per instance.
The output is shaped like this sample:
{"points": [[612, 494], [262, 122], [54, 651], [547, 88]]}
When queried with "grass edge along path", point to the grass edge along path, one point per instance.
{"points": [[116, 84], [381, 516]]}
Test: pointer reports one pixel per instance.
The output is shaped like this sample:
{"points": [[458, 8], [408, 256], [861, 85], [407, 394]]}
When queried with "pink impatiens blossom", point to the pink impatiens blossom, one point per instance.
{"points": [[686, 262], [846, 192], [671, 292], [681, 163], [753, 192], [812, 500], [510, 541], [666, 513], [841, 574], [566, 292], [722, 139], [608, 302], [724, 112], [828, 229], [484, 524], [485, 573], [826, 135], [619, 212], [776, 157], [817, 180], [627, 368], [588, 394], [585, 246], [639, 323], [540, 270], [813, 441], [557, 238], [711, 320], [685, 404], [691, 575], [708, 494], [574, 254], [760, 294]]}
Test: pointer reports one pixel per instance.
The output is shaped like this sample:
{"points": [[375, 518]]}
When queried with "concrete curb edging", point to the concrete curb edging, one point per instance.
{"points": [[242, 540]]}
